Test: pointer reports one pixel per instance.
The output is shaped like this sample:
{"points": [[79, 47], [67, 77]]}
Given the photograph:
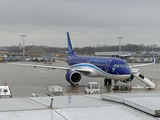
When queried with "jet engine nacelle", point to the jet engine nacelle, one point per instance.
{"points": [[73, 77], [128, 80]]}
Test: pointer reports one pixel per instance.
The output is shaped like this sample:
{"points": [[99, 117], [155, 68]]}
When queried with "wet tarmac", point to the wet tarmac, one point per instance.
{"points": [[24, 80]]}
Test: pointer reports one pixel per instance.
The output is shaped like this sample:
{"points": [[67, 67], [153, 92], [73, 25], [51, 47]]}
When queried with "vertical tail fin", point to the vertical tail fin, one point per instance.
{"points": [[70, 50]]}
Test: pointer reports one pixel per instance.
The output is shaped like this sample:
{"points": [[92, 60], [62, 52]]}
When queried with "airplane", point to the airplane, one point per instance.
{"points": [[109, 68]]}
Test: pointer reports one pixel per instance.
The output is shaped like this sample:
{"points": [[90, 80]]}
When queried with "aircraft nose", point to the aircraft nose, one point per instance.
{"points": [[126, 71]]}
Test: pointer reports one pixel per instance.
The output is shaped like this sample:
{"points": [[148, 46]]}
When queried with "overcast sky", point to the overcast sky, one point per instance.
{"points": [[90, 22]]}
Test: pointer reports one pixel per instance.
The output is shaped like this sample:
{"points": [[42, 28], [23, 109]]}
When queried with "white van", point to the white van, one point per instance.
{"points": [[5, 92]]}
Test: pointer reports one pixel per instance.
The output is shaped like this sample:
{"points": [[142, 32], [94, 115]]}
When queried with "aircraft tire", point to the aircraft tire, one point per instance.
{"points": [[105, 81], [110, 82], [117, 87]]}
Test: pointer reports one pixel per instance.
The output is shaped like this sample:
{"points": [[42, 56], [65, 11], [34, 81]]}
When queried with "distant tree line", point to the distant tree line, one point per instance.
{"points": [[93, 49]]}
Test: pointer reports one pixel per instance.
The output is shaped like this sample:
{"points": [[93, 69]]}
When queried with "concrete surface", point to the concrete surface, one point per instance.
{"points": [[147, 102], [77, 108]]}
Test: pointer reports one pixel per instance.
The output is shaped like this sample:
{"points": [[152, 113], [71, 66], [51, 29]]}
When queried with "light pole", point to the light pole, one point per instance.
{"points": [[23, 45], [120, 45]]}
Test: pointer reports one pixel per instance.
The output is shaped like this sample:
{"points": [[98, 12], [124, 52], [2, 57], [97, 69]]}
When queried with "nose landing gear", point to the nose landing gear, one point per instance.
{"points": [[116, 87]]}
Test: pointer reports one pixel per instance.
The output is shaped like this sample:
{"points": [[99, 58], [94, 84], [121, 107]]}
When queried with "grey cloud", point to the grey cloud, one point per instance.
{"points": [[87, 20], [69, 13]]}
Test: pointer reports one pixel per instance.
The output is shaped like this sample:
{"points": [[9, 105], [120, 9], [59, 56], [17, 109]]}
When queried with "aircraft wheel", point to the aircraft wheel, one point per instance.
{"points": [[105, 81], [110, 82], [85, 92], [117, 87]]}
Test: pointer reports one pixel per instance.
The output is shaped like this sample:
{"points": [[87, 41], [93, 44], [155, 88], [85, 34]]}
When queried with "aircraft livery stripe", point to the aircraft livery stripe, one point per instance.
{"points": [[89, 65]]}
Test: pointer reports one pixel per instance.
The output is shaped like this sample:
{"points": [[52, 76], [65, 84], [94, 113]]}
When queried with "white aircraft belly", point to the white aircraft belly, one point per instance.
{"points": [[101, 73], [113, 76]]}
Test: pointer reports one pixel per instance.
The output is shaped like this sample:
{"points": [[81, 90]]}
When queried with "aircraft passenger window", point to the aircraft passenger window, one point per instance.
{"points": [[117, 66]]}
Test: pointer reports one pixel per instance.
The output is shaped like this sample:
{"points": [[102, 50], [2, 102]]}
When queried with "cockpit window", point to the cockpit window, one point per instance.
{"points": [[120, 65], [114, 65], [126, 66]]}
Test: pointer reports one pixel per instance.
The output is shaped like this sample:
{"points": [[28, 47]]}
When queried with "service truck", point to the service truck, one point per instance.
{"points": [[93, 88]]}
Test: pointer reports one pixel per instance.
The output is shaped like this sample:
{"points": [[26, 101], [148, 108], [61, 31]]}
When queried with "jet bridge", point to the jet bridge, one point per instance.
{"points": [[148, 82]]}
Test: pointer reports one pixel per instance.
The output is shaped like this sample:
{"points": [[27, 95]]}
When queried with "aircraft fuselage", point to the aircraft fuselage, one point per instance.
{"points": [[107, 67]]}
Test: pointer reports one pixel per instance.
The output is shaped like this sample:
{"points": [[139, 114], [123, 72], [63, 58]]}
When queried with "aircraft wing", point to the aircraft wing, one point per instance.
{"points": [[153, 62], [42, 66], [53, 67], [126, 55], [143, 64]]}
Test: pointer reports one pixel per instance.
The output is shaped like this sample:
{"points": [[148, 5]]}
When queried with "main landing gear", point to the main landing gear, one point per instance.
{"points": [[107, 82]]}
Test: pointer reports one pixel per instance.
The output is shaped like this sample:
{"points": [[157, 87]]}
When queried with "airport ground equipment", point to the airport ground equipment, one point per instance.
{"points": [[139, 76], [93, 88], [5, 92], [54, 90]]}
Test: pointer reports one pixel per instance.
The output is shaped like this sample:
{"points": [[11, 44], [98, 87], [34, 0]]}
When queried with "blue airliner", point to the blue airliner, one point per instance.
{"points": [[106, 67], [109, 68]]}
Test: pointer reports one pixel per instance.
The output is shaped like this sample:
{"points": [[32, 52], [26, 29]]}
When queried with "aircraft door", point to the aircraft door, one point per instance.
{"points": [[107, 65]]}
